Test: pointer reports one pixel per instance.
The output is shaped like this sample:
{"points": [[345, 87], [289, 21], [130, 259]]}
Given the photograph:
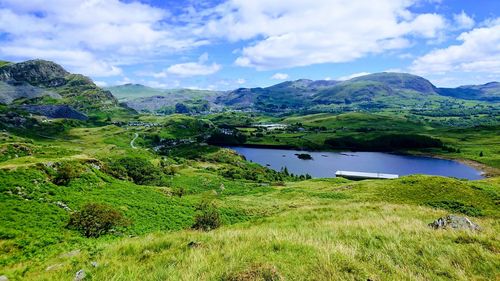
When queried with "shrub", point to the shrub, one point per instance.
{"points": [[139, 170], [94, 219], [65, 173], [457, 207], [208, 217], [388, 142]]}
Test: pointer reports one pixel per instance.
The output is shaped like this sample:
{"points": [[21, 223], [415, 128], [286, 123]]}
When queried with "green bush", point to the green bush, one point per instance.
{"points": [[388, 142], [66, 172], [457, 207], [139, 170], [94, 219], [208, 217]]}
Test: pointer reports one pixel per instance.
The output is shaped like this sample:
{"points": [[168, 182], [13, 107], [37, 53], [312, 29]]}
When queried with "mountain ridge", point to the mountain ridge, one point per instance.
{"points": [[42, 82]]}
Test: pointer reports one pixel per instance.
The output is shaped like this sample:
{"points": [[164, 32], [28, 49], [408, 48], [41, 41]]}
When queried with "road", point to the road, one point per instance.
{"points": [[132, 141]]}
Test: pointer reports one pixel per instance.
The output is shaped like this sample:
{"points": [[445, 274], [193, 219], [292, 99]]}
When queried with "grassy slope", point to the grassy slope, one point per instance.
{"points": [[324, 230], [309, 230]]}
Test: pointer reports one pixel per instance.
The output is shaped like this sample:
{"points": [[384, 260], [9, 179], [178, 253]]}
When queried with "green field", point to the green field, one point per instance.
{"points": [[274, 226]]}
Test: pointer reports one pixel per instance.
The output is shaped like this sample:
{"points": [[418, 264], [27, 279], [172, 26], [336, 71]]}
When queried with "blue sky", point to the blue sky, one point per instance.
{"points": [[239, 43]]}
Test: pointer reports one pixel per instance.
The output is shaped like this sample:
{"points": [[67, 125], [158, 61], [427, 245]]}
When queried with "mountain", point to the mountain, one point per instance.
{"points": [[148, 99], [286, 95], [486, 92], [45, 82], [377, 90], [373, 87], [132, 91]]}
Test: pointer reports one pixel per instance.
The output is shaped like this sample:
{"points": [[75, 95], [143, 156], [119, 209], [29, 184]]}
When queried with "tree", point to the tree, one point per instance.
{"points": [[208, 217], [285, 171], [65, 173], [94, 219], [181, 108], [481, 154]]}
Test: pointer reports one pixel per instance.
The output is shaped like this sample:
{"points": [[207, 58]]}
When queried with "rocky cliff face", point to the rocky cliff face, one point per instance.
{"points": [[34, 72], [45, 82]]}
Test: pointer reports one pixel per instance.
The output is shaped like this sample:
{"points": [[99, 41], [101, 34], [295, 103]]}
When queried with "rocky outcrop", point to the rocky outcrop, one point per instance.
{"points": [[80, 275], [454, 222], [55, 111], [34, 72], [44, 82]]}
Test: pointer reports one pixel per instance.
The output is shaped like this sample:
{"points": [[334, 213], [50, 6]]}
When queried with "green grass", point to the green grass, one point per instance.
{"points": [[273, 226], [343, 241]]}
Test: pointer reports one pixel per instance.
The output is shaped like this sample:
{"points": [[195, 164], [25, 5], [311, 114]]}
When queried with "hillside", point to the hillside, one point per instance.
{"points": [[284, 96], [487, 92], [370, 91], [147, 99], [373, 91], [160, 174], [130, 91], [45, 82], [374, 87]]}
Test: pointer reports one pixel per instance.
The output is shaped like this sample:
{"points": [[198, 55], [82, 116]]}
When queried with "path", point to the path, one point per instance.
{"points": [[132, 141]]}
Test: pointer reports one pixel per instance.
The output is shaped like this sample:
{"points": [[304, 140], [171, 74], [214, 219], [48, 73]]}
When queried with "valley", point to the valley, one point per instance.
{"points": [[192, 208]]}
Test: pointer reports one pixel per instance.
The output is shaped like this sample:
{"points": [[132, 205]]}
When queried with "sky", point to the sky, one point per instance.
{"points": [[222, 45]]}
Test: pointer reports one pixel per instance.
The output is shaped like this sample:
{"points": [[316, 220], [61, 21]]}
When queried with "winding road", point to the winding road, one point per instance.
{"points": [[132, 141]]}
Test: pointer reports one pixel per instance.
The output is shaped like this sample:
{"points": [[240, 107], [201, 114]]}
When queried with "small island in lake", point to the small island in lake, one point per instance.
{"points": [[304, 156]]}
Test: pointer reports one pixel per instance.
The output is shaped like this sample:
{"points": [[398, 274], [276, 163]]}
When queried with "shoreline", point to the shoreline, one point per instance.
{"points": [[486, 171]]}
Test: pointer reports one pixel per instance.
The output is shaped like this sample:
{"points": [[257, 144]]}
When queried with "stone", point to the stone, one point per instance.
{"points": [[94, 264], [194, 244], [64, 206], [80, 275], [71, 254], [54, 267], [4, 278], [454, 222]]}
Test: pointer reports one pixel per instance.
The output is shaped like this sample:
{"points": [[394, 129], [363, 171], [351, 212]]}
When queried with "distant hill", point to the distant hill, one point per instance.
{"points": [[487, 92], [286, 95], [373, 87], [374, 90], [144, 98], [44, 82], [130, 91]]}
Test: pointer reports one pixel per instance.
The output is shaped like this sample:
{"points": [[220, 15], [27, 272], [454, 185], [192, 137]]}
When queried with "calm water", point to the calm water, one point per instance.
{"points": [[325, 164]]}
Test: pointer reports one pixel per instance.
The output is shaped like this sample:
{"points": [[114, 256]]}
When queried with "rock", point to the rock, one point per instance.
{"points": [[54, 267], [70, 254], [64, 206], [194, 244], [54, 111], [454, 222], [94, 264], [80, 275], [4, 278]]}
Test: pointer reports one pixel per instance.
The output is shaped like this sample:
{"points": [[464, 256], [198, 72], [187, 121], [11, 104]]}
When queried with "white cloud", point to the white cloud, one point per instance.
{"points": [[299, 33], [102, 35], [478, 52], [354, 75], [101, 83], [76, 60], [463, 21], [280, 76], [194, 68], [240, 81], [156, 84]]}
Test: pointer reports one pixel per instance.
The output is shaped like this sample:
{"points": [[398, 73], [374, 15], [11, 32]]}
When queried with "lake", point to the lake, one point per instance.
{"points": [[325, 164]]}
